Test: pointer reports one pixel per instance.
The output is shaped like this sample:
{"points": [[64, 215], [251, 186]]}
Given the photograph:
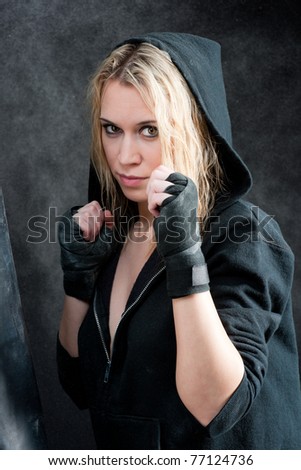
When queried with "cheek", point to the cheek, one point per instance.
{"points": [[155, 159]]}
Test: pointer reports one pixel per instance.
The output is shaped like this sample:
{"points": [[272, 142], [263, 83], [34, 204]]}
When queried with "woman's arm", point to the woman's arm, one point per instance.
{"points": [[209, 367], [86, 243]]}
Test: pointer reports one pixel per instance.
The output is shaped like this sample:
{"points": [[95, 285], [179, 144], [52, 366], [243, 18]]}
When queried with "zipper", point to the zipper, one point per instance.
{"points": [[109, 361], [108, 367]]}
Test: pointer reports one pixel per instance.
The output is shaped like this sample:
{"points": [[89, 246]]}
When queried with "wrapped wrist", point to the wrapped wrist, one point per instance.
{"points": [[186, 273], [178, 239], [81, 260]]}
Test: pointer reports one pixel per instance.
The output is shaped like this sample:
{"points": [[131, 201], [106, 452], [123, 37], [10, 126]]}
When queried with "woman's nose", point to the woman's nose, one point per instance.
{"points": [[129, 152]]}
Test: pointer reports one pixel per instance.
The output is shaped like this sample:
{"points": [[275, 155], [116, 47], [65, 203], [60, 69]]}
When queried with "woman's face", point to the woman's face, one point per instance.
{"points": [[130, 139]]}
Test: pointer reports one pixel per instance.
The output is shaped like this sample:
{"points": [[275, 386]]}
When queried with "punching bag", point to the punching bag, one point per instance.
{"points": [[20, 410]]}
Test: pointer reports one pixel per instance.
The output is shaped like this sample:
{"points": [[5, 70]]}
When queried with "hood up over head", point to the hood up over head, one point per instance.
{"points": [[199, 61]]}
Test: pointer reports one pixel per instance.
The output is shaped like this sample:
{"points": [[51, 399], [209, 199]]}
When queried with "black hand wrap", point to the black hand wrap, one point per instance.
{"points": [[82, 260], [178, 239]]}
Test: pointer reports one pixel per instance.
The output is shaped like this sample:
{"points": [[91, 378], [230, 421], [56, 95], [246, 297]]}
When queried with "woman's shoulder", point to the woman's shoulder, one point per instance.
{"points": [[244, 246], [244, 222]]}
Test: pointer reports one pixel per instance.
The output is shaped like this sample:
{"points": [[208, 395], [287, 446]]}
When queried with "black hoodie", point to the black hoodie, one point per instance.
{"points": [[132, 396]]}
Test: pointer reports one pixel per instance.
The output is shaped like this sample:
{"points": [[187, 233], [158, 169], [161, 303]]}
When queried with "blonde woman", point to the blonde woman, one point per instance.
{"points": [[177, 328]]}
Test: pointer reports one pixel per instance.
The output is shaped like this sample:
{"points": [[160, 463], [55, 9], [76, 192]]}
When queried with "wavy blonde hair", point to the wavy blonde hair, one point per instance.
{"points": [[186, 144]]}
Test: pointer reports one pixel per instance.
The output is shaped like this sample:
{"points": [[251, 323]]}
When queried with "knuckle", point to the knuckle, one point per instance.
{"points": [[93, 207]]}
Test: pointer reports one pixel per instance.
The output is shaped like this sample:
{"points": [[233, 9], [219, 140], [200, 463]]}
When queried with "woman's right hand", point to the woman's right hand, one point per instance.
{"points": [[87, 241], [91, 218]]}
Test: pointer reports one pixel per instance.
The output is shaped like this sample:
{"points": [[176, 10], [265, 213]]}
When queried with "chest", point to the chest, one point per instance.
{"points": [[131, 261]]}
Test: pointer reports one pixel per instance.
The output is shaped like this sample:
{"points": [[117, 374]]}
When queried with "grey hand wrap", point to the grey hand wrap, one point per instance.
{"points": [[81, 260], [178, 239]]}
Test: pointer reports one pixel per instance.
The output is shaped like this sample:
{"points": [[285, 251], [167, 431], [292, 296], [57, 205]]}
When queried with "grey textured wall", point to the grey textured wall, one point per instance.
{"points": [[48, 51]]}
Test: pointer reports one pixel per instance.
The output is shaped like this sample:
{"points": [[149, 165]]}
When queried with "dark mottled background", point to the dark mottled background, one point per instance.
{"points": [[48, 51]]}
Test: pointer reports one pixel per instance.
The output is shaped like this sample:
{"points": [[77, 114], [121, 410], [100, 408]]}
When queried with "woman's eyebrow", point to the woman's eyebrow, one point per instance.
{"points": [[105, 120], [141, 123]]}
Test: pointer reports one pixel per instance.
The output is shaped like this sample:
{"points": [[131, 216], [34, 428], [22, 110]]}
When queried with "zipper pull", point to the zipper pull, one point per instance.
{"points": [[107, 372]]}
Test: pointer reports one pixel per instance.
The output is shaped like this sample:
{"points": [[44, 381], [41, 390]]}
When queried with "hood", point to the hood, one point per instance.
{"points": [[199, 61]]}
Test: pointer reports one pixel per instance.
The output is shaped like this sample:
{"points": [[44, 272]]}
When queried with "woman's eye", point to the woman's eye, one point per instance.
{"points": [[150, 131], [111, 129]]}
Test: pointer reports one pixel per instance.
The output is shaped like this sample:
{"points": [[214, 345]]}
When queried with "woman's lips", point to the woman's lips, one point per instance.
{"points": [[131, 180]]}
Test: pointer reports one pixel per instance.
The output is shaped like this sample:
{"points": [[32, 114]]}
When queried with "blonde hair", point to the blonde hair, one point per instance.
{"points": [[186, 144]]}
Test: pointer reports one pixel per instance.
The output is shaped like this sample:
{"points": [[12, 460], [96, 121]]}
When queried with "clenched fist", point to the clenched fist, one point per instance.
{"points": [[87, 241]]}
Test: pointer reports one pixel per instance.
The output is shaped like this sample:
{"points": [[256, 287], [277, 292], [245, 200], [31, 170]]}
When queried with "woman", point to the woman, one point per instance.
{"points": [[170, 343]]}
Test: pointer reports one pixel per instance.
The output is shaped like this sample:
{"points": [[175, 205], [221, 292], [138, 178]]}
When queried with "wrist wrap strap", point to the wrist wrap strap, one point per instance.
{"points": [[186, 273]]}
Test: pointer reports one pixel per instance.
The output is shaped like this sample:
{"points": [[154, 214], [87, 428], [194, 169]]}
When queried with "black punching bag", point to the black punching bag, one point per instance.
{"points": [[20, 410]]}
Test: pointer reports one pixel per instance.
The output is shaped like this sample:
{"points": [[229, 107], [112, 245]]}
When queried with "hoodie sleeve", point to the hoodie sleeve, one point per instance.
{"points": [[251, 269], [70, 376]]}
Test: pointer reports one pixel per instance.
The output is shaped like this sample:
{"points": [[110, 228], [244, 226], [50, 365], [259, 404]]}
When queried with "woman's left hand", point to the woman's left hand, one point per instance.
{"points": [[155, 189], [174, 204]]}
